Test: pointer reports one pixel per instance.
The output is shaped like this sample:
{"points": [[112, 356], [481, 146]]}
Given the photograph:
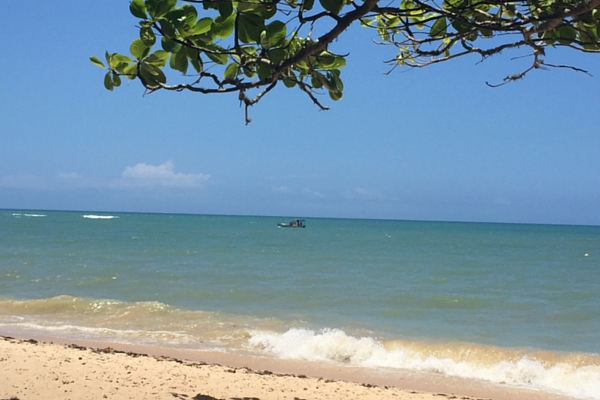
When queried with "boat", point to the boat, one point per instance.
{"points": [[296, 223]]}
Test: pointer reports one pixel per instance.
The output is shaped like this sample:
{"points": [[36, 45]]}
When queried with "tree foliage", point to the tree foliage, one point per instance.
{"points": [[250, 46]]}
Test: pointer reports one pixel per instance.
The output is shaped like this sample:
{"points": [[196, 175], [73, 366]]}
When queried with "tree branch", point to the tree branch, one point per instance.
{"points": [[324, 41]]}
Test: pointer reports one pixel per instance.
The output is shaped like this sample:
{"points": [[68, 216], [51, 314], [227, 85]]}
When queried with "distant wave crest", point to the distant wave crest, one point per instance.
{"points": [[19, 215], [570, 374], [93, 216]]}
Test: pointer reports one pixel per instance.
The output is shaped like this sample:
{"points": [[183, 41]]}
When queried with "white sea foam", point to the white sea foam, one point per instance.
{"points": [[19, 215], [570, 378], [92, 216], [126, 336]]}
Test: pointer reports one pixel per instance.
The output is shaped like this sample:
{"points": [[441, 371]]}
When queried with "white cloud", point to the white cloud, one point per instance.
{"points": [[161, 175], [68, 175], [140, 175], [501, 201], [312, 194], [20, 181], [69, 180], [305, 192], [364, 194], [280, 189]]}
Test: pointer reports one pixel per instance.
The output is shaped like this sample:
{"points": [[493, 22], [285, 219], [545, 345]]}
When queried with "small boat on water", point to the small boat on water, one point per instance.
{"points": [[296, 223]]}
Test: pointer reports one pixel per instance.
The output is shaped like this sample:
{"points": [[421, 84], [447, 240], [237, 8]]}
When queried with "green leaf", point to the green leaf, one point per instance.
{"points": [[460, 27], [264, 71], [438, 30], [176, 16], [202, 26], [194, 57], [249, 28], [210, 5], [170, 45], [231, 71], [250, 50], [391, 22], [264, 42], [328, 60], [167, 28], [383, 34], [302, 67], [223, 27], [96, 61], [276, 33], [225, 8], [276, 55], [116, 79], [472, 36], [152, 75], [266, 11], [418, 19], [289, 83], [487, 33], [107, 57], [147, 36], [220, 59], [317, 80], [120, 58], [333, 6], [179, 61], [130, 72], [138, 49], [249, 72], [335, 95], [151, 69], [187, 17], [191, 14], [158, 8], [120, 67], [138, 9], [366, 22], [452, 5], [308, 4], [247, 6], [334, 79], [158, 58], [567, 33], [108, 83]]}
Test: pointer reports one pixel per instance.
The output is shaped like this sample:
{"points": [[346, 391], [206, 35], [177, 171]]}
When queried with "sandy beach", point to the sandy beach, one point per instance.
{"points": [[33, 369]]}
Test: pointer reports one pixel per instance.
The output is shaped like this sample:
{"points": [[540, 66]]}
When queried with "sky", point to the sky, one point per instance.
{"points": [[424, 144]]}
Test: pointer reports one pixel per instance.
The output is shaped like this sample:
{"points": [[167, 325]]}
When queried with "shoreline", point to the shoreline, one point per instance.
{"points": [[49, 367]]}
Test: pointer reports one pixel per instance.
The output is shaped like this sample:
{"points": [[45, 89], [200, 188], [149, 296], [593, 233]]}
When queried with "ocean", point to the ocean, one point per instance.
{"points": [[505, 303]]}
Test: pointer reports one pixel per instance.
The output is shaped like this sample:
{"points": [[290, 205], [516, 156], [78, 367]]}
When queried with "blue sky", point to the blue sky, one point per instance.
{"points": [[427, 144]]}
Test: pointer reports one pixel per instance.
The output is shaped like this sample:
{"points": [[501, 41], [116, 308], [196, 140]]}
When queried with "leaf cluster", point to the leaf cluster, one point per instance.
{"points": [[249, 46], [425, 33]]}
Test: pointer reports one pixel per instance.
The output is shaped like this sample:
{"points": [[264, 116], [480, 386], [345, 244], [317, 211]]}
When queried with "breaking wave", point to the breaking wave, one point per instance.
{"points": [[573, 374]]}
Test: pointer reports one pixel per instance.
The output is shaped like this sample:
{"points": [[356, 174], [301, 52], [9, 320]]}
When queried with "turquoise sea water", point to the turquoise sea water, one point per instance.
{"points": [[509, 303]]}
